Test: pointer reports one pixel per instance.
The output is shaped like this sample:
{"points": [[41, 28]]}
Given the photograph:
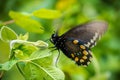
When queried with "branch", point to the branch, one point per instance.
{"points": [[8, 22]]}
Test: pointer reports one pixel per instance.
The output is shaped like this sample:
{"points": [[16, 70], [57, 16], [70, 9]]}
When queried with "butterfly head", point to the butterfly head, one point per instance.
{"points": [[54, 38]]}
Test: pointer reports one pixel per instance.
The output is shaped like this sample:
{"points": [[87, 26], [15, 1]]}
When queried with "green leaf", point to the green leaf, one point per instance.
{"points": [[7, 34], [21, 49], [55, 73], [40, 66], [23, 37], [47, 14], [8, 65], [34, 71], [26, 22], [40, 44], [39, 54], [4, 51], [24, 49]]}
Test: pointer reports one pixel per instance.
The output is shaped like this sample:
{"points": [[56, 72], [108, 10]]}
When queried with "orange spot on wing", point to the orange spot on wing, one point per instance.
{"points": [[85, 52], [84, 57], [72, 55], [82, 47], [76, 59], [75, 41], [81, 60]]}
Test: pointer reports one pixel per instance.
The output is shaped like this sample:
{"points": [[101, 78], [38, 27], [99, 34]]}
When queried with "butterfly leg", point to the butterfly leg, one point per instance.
{"points": [[57, 57]]}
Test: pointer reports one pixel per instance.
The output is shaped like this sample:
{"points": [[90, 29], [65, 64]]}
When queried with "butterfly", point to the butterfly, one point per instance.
{"points": [[76, 43]]}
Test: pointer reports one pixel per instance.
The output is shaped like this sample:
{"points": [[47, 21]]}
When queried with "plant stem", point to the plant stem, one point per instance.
{"points": [[20, 70], [8, 22], [1, 74]]}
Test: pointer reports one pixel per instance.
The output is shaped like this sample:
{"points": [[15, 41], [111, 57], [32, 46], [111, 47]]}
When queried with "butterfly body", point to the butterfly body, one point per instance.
{"points": [[76, 43]]}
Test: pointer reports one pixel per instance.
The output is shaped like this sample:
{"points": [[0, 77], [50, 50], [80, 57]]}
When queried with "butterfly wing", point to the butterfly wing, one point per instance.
{"points": [[89, 33], [76, 43], [75, 50]]}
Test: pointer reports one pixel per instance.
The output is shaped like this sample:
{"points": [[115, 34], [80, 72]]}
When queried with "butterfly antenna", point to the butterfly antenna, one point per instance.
{"points": [[57, 58]]}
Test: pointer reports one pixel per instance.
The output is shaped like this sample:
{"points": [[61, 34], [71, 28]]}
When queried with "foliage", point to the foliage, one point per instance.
{"points": [[30, 56]]}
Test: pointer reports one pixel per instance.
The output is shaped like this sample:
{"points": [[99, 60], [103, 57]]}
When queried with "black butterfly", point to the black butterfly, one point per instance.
{"points": [[76, 43]]}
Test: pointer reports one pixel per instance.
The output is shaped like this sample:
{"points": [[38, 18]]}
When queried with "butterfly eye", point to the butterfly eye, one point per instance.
{"points": [[51, 40], [54, 35], [54, 38]]}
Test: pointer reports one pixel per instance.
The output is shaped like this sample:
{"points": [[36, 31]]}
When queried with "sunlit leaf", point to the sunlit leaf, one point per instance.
{"points": [[39, 54], [37, 71], [26, 22], [23, 37], [65, 4], [4, 50], [47, 14], [8, 65], [40, 66], [23, 49], [40, 44], [7, 34]]}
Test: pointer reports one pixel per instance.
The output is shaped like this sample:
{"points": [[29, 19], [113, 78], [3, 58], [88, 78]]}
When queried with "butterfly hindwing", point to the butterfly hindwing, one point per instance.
{"points": [[77, 51]]}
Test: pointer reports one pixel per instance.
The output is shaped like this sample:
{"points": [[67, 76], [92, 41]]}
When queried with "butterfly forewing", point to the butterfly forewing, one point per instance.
{"points": [[89, 33]]}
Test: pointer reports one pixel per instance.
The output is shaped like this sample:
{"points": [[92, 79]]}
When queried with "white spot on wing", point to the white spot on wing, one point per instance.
{"points": [[88, 44], [93, 44], [90, 52], [96, 36], [92, 41], [88, 63]]}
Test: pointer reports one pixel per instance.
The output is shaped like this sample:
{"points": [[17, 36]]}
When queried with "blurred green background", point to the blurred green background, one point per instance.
{"points": [[105, 66]]}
